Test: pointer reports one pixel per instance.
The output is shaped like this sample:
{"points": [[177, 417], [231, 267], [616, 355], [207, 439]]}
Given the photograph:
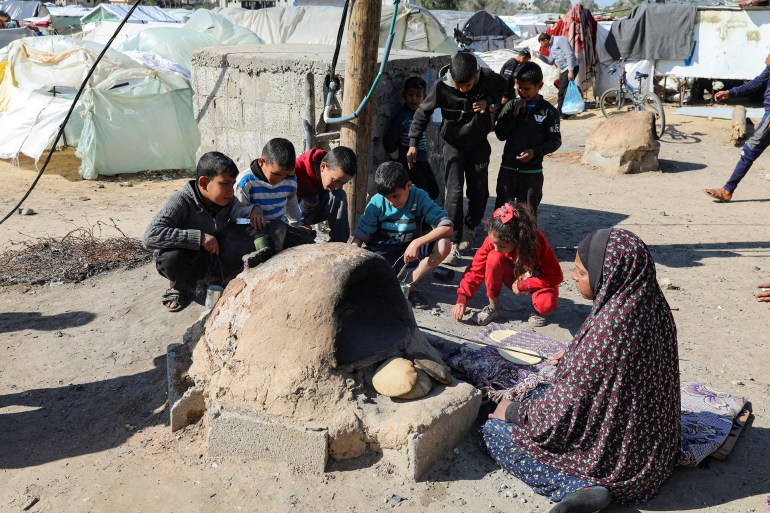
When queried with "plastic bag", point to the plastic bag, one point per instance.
{"points": [[573, 100]]}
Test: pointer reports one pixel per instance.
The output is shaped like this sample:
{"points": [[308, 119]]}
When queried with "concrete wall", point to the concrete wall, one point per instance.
{"points": [[246, 95]]}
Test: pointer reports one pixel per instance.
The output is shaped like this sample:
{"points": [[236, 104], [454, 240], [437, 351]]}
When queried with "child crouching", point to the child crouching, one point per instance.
{"points": [[391, 226], [192, 235], [517, 255]]}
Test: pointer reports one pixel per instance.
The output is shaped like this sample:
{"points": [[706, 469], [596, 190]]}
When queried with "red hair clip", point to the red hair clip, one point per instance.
{"points": [[505, 213]]}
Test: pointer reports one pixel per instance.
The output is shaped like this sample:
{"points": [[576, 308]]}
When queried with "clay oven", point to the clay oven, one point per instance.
{"points": [[282, 366]]}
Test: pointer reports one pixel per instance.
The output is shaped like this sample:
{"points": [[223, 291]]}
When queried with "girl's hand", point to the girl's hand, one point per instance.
{"points": [[499, 412], [458, 311]]}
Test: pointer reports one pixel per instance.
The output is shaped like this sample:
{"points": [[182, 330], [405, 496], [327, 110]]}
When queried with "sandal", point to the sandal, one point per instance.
{"points": [[179, 299]]}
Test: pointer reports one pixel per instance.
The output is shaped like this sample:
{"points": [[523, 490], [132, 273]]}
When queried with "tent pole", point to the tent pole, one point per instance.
{"points": [[360, 70]]}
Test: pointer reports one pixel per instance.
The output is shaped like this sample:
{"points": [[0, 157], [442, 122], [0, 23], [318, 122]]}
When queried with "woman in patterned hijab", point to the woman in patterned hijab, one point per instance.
{"points": [[608, 425]]}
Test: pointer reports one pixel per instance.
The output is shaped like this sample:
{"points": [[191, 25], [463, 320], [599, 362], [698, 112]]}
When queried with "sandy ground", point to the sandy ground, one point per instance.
{"points": [[83, 419]]}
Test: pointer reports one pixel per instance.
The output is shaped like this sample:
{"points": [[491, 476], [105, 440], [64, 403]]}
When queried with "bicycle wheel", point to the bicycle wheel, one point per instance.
{"points": [[612, 100], [652, 102]]}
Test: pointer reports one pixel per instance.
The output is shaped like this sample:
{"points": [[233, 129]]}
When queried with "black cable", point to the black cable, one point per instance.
{"points": [[69, 112], [340, 32]]}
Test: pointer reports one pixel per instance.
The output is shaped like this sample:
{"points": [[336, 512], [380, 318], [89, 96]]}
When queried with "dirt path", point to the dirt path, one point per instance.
{"points": [[82, 388]]}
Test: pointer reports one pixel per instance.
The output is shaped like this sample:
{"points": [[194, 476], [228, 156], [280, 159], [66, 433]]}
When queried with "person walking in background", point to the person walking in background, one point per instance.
{"points": [[520, 55], [563, 57], [757, 143]]}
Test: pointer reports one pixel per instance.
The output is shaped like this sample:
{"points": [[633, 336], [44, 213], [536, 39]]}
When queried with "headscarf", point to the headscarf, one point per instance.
{"points": [[591, 252], [612, 414]]}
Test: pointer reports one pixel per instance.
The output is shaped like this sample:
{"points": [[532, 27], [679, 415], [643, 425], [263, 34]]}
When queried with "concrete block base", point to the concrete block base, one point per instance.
{"points": [[248, 435], [421, 432]]}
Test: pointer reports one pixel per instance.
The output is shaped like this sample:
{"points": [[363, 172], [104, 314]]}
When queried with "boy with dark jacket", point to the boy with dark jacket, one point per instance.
{"points": [[193, 235], [467, 95], [530, 127]]}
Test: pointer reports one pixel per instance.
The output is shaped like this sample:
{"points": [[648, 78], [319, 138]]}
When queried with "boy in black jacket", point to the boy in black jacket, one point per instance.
{"points": [[466, 95], [530, 127]]}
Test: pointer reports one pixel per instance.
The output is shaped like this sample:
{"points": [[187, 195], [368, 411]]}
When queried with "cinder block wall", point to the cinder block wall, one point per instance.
{"points": [[246, 95]]}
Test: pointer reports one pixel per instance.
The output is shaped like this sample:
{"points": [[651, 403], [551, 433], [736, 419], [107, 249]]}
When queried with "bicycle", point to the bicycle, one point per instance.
{"points": [[616, 99]]}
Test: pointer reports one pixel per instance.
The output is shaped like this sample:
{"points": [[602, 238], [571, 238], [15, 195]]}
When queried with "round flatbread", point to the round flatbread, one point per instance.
{"points": [[420, 389], [434, 369], [513, 354], [395, 377], [500, 335]]}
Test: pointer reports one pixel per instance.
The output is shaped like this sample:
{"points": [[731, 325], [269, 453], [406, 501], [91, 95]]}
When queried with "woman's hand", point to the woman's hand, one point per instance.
{"points": [[499, 412], [458, 312], [554, 358]]}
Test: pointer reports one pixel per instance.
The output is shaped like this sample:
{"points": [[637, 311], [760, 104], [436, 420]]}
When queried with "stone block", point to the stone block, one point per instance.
{"points": [[247, 435], [416, 434], [624, 143]]}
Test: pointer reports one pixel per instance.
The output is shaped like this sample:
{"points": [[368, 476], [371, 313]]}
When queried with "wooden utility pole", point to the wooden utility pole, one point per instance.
{"points": [[360, 70]]}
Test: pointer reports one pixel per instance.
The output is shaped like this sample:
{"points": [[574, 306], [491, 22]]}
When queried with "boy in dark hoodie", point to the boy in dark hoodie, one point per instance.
{"points": [[192, 235], [467, 95], [530, 127]]}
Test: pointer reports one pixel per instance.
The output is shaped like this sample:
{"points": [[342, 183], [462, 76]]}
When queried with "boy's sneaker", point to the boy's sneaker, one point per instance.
{"points": [[469, 237], [485, 316], [536, 320], [417, 300], [444, 274], [454, 256]]}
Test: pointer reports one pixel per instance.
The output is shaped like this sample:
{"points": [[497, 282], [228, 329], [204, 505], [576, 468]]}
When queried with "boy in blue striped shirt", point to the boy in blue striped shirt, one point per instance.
{"points": [[270, 186], [391, 226]]}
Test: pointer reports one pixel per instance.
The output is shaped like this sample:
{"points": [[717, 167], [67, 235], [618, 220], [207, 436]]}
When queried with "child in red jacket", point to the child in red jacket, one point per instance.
{"points": [[517, 255]]}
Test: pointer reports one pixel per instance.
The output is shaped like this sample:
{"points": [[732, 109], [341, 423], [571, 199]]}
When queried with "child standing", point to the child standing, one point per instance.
{"points": [[391, 226], [192, 236], [396, 139], [320, 177], [520, 55], [530, 127], [466, 95], [270, 187], [517, 255]]}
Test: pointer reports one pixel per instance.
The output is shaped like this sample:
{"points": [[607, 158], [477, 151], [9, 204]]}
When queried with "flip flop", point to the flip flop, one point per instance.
{"points": [[175, 296]]}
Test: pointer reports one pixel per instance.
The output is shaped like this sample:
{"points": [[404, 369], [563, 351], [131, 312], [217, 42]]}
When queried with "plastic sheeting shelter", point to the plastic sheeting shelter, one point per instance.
{"points": [[729, 44], [115, 12], [130, 118], [416, 29], [484, 31], [203, 30], [23, 9], [8, 35]]}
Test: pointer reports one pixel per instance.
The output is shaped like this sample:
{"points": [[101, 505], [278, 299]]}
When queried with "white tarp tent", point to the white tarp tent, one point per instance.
{"points": [[416, 29], [133, 118], [729, 44], [604, 79]]}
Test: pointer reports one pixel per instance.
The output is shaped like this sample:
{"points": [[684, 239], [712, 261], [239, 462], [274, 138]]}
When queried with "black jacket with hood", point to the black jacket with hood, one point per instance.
{"points": [[461, 127], [538, 130]]}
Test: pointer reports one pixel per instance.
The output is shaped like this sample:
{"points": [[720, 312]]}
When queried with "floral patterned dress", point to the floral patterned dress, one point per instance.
{"points": [[611, 417]]}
